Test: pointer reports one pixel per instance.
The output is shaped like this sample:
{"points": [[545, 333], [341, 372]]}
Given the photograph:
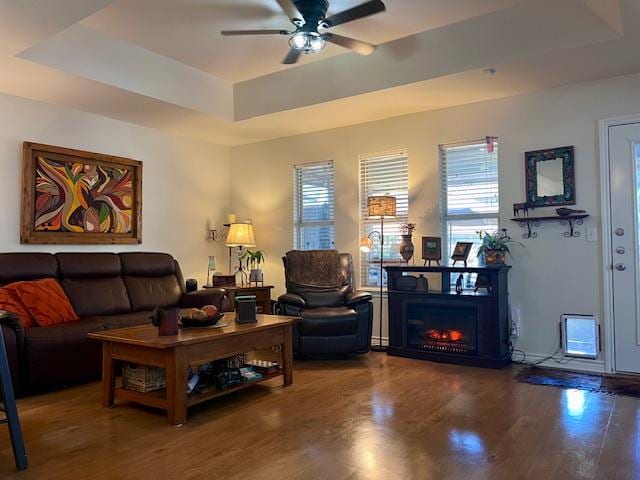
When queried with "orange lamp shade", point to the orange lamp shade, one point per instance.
{"points": [[366, 244]]}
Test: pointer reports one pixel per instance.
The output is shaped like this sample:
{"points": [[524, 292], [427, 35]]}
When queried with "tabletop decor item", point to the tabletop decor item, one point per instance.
{"points": [[406, 244], [166, 320], [76, 197], [565, 212], [245, 309], [201, 317], [495, 246], [431, 250], [254, 258], [461, 252], [241, 235]]}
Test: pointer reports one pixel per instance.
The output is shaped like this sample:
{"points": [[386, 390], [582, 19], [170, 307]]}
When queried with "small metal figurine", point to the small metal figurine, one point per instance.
{"points": [[522, 207], [459, 284]]}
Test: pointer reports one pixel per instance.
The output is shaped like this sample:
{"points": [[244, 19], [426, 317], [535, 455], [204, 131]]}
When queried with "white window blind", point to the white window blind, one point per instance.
{"points": [[313, 206], [384, 174], [469, 193]]}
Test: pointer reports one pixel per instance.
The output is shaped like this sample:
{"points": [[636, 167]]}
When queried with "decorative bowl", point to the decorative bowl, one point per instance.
{"points": [[201, 322]]}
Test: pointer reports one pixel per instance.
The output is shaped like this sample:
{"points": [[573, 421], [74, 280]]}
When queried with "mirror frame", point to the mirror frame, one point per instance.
{"points": [[531, 160]]}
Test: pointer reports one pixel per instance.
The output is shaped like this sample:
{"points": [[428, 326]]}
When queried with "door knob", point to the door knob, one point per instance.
{"points": [[619, 231], [620, 250], [621, 267]]}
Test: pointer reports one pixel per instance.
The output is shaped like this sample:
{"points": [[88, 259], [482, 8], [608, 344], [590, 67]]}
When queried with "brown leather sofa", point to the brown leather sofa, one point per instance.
{"points": [[107, 291]]}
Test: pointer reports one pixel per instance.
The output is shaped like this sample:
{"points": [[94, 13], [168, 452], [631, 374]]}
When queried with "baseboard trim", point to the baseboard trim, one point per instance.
{"points": [[579, 364]]}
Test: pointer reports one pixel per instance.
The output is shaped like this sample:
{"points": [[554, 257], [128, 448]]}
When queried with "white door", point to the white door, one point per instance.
{"points": [[624, 157]]}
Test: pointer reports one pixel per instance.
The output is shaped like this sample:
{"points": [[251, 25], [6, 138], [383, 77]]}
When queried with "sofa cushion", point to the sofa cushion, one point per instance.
{"points": [[89, 265], [10, 301], [110, 322], [146, 293], [62, 354], [144, 264], [15, 267], [328, 322], [46, 301], [97, 296]]}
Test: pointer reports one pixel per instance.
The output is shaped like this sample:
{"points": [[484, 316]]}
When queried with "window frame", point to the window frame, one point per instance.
{"points": [[299, 224], [366, 225], [445, 217]]}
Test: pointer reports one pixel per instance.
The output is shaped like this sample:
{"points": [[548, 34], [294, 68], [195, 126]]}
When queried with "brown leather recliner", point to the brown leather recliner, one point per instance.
{"points": [[336, 320], [107, 291]]}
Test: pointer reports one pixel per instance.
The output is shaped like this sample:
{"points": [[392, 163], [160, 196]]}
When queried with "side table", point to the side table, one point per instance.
{"points": [[262, 294]]}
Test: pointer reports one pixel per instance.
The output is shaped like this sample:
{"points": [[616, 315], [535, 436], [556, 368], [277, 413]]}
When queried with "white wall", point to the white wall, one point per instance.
{"points": [[184, 181], [551, 276]]}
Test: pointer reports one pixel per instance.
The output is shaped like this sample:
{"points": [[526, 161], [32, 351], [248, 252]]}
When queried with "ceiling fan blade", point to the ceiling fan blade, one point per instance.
{"points": [[290, 9], [358, 46], [292, 57], [361, 11], [254, 32]]}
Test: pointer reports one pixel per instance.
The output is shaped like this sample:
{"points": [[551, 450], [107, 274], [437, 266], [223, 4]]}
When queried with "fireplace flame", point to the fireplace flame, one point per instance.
{"points": [[448, 335]]}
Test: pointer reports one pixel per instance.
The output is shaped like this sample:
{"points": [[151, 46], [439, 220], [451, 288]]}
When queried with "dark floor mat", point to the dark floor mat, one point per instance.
{"points": [[610, 384]]}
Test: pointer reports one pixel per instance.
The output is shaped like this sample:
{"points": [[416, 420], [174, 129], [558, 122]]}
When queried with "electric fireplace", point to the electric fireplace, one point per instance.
{"points": [[469, 328], [442, 329]]}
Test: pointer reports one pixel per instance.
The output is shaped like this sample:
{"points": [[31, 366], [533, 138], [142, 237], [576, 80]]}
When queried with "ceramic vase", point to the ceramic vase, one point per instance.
{"points": [[406, 248]]}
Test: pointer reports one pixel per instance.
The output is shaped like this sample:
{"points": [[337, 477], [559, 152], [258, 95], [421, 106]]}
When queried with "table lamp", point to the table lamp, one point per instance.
{"points": [[241, 235]]}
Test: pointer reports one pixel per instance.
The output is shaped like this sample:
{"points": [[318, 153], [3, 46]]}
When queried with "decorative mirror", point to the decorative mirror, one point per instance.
{"points": [[550, 177]]}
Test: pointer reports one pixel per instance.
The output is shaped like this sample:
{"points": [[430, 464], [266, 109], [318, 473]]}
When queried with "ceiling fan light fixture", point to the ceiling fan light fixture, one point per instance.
{"points": [[307, 42]]}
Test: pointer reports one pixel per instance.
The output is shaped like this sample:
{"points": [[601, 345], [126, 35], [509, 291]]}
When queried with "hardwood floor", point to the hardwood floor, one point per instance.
{"points": [[372, 417]]}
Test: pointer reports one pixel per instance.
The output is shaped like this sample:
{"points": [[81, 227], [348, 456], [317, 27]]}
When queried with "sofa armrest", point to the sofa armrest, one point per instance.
{"points": [[292, 299], [209, 296], [356, 298], [13, 334]]}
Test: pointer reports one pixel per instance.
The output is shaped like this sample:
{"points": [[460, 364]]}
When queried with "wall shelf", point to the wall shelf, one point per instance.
{"points": [[529, 223]]}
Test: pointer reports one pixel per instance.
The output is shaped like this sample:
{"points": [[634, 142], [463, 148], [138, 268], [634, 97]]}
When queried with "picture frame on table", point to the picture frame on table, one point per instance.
{"points": [[461, 252], [431, 250]]}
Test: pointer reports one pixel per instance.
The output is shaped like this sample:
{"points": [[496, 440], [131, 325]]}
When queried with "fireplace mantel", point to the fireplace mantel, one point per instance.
{"points": [[469, 328]]}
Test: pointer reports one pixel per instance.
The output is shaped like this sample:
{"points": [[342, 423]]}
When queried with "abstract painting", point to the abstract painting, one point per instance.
{"points": [[73, 196]]}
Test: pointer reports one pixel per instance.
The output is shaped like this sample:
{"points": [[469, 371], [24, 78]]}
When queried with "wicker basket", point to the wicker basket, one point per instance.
{"points": [[142, 378]]}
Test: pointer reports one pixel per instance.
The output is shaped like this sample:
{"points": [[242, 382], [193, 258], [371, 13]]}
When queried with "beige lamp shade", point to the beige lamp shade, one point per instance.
{"points": [[381, 206], [241, 235]]}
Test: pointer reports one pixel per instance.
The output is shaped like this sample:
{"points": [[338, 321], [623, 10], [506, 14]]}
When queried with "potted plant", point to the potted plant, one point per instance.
{"points": [[495, 246], [254, 259], [406, 245]]}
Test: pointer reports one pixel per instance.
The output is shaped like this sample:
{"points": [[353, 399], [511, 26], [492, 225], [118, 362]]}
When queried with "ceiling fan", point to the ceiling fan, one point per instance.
{"points": [[309, 16]]}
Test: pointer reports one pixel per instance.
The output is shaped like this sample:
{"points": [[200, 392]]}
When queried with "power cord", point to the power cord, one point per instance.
{"points": [[562, 360]]}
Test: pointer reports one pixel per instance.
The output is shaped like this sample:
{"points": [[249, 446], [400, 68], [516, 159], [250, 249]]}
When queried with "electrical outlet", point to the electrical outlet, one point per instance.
{"points": [[516, 325], [592, 234]]}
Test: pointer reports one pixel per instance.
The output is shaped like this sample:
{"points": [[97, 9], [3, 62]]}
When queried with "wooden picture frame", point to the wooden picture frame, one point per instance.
{"points": [[76, 197], [564, 176], [431, 250], [461, 252]]}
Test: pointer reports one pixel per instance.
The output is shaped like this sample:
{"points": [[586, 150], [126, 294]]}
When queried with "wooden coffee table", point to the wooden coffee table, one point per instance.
{"points": [[190, 348]]}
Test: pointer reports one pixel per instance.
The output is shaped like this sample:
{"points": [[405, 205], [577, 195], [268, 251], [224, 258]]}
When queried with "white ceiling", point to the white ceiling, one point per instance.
{"points": [[162, 63], [188, 30]]}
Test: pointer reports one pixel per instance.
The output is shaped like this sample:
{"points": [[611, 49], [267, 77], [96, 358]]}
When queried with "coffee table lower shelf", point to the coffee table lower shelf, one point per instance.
{"points": [[158, 398]]}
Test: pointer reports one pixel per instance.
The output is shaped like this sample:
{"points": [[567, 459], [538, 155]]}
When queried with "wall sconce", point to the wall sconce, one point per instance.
{"points": [[216, 235]]}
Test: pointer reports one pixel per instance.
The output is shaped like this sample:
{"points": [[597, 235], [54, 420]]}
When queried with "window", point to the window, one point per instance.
{"points": [[313, 206], [468, 195], [386, 174]]}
